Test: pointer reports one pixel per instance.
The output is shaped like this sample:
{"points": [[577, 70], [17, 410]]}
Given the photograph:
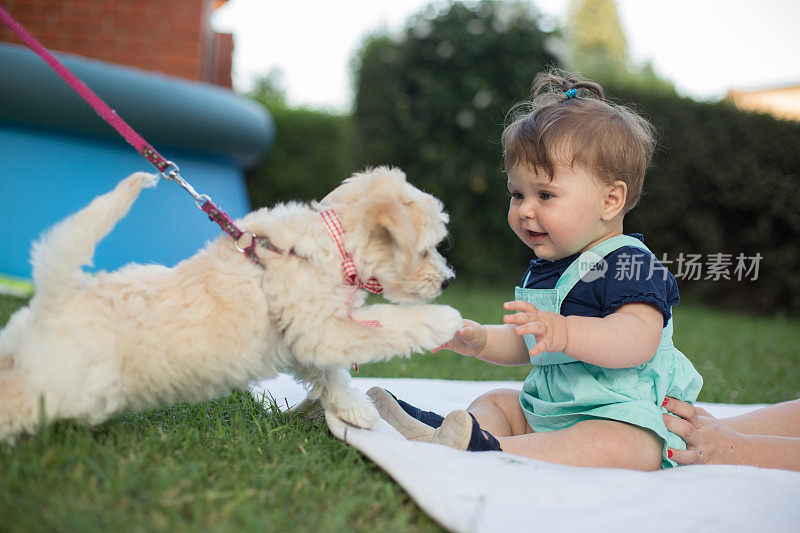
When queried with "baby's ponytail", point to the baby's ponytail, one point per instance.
{"points": [[558, 86]]}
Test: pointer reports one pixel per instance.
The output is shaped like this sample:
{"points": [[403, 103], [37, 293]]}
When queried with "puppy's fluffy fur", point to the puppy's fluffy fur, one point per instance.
{"points": [[90, 346]]}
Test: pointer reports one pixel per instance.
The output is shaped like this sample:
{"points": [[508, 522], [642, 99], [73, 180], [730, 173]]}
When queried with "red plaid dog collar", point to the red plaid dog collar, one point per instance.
{"points": [[348, 266]]}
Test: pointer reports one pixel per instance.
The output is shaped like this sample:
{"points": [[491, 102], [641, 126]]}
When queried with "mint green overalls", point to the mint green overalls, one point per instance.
{"points": [[561, 391]]}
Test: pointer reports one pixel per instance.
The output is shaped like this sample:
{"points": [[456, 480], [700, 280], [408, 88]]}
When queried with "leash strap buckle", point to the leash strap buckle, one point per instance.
{"points": [[173, 173]]}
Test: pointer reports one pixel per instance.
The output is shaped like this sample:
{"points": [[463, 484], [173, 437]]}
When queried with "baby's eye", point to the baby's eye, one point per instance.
{"points": [[544, 195], [514, 195]]}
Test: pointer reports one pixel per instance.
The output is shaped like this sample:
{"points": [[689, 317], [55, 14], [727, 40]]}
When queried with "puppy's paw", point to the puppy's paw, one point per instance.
{"points": [[356, 411], [442, 324]]}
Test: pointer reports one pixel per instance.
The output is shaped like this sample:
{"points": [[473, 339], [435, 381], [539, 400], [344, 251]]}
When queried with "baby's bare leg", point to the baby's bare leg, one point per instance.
{"points": [[498, 412], [597, 443]]}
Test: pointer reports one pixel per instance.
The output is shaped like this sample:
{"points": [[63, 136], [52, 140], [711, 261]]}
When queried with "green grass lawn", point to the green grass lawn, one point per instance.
{"points": [[227, 465]]}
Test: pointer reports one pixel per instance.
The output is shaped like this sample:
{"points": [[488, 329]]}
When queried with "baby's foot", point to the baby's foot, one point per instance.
{"points": [[461, 431], [409, 426]]}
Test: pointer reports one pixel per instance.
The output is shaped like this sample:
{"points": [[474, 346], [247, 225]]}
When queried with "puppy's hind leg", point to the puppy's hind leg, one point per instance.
{"points": [[58, 256], [19, 405], [333, 387]]}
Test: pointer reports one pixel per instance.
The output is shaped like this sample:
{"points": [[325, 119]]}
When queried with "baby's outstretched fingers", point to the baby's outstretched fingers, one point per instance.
{"points": [[537, 329], [518, 318], [468, 340], [521, 306], [469, 331], [526, 312], [449, 345], [536, 350]]}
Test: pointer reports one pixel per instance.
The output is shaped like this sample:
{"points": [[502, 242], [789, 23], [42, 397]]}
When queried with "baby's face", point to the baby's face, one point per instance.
{"points": [[557, 218]]}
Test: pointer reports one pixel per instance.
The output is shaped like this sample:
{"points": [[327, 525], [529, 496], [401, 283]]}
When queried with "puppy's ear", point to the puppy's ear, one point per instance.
{"points": [[393, 222]]}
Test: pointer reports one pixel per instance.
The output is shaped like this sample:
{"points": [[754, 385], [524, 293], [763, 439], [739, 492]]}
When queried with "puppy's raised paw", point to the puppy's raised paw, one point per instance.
{"points": [[443, 323]]}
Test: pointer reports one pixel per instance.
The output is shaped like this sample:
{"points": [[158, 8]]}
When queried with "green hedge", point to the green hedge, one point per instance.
{"points": [[723, 181], [433, 101], [312, 155]]}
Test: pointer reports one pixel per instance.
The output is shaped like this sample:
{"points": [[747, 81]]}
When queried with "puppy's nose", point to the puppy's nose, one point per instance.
{"points": [[445, 283]]}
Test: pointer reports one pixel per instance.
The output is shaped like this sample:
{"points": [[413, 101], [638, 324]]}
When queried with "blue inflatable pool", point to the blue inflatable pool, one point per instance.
{"points": [[56, 155]]}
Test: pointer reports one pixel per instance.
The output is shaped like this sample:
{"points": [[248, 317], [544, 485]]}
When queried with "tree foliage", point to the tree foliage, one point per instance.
{"points": [[433, 102], [312, 154], [723, 181], [596, 46], [434, 99], [596, 41]]}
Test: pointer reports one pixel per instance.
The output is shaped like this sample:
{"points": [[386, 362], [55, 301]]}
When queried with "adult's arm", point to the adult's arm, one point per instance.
{"points": [[767, 437]]}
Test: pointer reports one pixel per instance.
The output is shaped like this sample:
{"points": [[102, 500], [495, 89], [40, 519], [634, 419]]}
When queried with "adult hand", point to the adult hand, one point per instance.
{"points": [[469, 340], [550, 329], [708, 441]]}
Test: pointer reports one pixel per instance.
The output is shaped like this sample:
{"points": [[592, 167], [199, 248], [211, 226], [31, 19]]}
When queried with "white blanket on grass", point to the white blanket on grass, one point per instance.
{"points": [[492, 491]]}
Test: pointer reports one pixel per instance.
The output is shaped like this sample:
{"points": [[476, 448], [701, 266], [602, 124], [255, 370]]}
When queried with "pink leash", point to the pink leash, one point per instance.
{"points": [[134, 139], [173, 172]]}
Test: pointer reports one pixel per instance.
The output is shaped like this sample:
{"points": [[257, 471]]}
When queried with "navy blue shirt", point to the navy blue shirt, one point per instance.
{"points": [[633, 276]]}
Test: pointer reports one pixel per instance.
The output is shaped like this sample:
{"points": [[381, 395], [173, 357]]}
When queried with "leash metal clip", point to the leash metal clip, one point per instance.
{"points": [[173, 173]]}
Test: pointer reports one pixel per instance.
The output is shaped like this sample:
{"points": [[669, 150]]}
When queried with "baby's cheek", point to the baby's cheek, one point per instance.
{"points": [[515, 223]]}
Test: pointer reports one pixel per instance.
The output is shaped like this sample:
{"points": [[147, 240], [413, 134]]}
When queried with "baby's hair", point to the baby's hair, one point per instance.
{"points": [[568, 122]]}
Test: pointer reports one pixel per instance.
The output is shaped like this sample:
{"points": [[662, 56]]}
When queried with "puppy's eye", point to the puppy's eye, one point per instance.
{"points": [[444, 247]]}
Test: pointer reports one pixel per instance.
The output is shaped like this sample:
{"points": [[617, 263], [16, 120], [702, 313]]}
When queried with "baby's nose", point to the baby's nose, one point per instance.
{"points": [[526, 210]]}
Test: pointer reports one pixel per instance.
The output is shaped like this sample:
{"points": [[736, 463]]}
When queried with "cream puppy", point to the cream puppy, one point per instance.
{"points": [[91, 346]]}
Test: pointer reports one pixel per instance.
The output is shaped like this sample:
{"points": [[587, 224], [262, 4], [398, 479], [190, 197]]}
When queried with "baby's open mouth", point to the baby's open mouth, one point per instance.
{"points": [[537, 237]]}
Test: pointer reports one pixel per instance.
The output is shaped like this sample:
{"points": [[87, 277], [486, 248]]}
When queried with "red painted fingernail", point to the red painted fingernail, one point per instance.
{"points": [[669, 454], [664, 402]]}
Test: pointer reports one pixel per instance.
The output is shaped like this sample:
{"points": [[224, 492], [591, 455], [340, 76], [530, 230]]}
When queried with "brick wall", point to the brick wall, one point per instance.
{"points": [[781, 102], [222, 51], [173, 37]]}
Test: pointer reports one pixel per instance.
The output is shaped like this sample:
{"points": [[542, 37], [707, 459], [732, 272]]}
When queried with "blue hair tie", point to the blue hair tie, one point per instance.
{"points": [[572, 93]]}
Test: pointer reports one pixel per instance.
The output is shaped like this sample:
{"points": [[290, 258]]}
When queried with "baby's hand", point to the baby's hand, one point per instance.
{"points": [[469, 340], [550, 329]]}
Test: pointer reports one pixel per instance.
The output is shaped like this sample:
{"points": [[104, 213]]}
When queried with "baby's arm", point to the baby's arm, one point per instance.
{"points": [[626, 338], [494, 344]]}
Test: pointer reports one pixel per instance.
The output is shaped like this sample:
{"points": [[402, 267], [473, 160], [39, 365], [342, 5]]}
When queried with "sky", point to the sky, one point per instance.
{"points": [[705, 47]]}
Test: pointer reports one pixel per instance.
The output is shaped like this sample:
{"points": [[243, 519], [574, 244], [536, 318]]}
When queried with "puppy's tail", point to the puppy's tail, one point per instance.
{"points": [[60, 253]]}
